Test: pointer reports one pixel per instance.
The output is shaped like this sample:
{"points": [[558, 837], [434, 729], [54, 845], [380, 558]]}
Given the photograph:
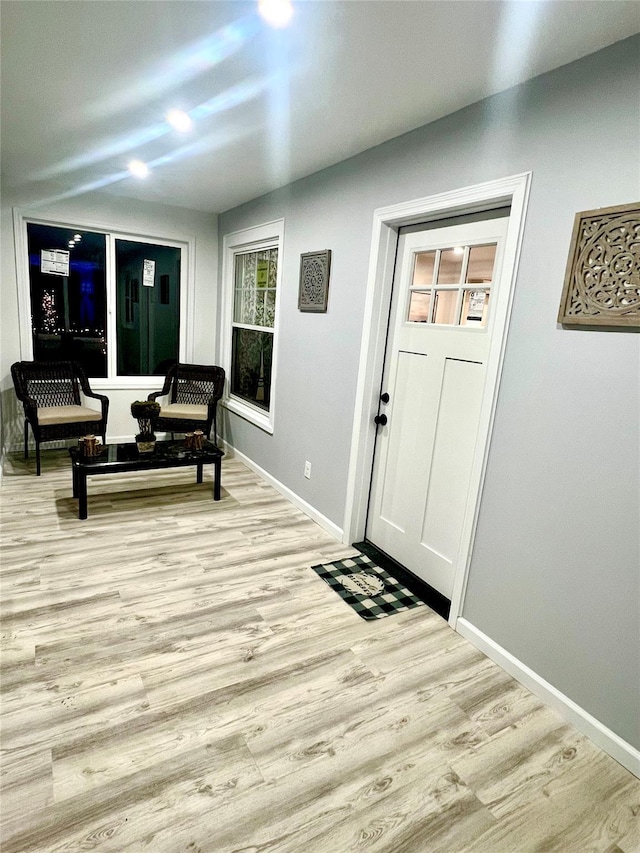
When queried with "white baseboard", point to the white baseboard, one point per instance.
{"points": [[607, 740], [295, 499]]}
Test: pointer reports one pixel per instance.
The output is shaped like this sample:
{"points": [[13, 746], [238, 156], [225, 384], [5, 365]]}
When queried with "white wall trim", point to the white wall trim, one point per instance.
{"points": [[512, 190], [607, 740], [326, 524]]}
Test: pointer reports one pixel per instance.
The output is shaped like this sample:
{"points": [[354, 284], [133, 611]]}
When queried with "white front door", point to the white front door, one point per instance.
{"points": [[439, 334]]}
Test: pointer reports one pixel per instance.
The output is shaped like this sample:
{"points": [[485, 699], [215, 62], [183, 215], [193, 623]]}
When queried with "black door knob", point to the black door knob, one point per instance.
{"points": [[384, 398], [381, 420]]}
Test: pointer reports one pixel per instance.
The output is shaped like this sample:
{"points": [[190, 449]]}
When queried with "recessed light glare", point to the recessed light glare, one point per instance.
{"points": [[77, 237], [71, 244], [458, 250], [179, 120], [277, 13], [138, 168]]}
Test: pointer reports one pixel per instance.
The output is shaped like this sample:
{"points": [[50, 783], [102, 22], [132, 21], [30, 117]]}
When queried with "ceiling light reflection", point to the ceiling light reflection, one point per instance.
{"points": [[232, 97], [186, 64], [111, 148], [516, 41], [217, 141], [134, 141], [179, 120], [277, 13], [138, 169]]}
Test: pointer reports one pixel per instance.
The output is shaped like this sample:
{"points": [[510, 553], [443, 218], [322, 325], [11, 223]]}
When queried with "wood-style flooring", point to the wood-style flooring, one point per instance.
{"points": [[175, 679]]}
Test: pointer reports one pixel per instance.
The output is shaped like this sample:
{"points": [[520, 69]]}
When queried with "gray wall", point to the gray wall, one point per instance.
{"points": [[556, 569]]}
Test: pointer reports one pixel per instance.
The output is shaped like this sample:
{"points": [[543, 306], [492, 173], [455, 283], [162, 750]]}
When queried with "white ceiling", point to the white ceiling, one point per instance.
{"points": [[86, 84]]}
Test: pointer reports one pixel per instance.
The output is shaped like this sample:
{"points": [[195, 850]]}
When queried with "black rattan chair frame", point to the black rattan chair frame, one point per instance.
{"points": [[199, 384], [55, 383]]}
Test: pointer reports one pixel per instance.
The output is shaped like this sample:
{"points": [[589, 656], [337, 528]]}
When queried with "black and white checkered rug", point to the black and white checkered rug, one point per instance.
{"points": [[370, 590]]}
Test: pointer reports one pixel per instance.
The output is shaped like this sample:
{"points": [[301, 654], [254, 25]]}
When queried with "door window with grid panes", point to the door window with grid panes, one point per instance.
{"points": [[452, 286]]}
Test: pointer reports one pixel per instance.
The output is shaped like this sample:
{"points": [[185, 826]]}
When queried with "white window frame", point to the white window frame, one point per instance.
{"points": [[21, 218], [270, 235]]}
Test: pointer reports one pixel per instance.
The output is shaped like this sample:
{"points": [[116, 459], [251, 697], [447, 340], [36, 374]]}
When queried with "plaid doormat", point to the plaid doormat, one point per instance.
{"points": [[370, 590]]}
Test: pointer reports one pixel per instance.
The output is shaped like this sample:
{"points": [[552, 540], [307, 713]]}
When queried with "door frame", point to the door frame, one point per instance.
{"points": [[513, 191]]}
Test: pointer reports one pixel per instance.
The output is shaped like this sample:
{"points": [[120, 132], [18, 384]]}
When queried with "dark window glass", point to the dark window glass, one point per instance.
{"points": [[147, 306], [165, 293], [68, 296], [251, 366]]}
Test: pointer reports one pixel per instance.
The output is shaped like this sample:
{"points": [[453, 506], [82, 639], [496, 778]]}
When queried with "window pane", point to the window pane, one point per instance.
{"points": [[68, 300], [259, 319], [148, 307], [245, 291], [419, 306], [255, 283], [481, 261], [475, 304], [450, 267], [245, 306], [251, 366], [423, 269], [270, 308], [445, 307]]}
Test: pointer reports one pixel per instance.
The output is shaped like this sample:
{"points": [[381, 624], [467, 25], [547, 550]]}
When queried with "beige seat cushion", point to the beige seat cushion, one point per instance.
{"points": [[186, 411], [48, 415]]}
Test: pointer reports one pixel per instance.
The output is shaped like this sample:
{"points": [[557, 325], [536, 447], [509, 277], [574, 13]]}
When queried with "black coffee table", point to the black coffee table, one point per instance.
{"points": [[119, 458]]}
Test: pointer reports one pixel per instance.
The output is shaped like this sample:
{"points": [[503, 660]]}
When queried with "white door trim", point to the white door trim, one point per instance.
{"points": [[513, 190]]}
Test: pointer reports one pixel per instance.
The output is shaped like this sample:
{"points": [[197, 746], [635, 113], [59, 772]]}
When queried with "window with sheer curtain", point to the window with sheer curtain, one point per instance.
{"points": [[254, 307], [251, 277]]}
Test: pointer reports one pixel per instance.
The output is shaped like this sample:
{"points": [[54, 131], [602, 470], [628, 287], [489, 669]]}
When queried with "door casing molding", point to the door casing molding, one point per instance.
{"points": [[513, 191]]}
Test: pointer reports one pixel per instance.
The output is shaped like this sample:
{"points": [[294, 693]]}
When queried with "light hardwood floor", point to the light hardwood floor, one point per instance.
{"points": [[175, 679]]}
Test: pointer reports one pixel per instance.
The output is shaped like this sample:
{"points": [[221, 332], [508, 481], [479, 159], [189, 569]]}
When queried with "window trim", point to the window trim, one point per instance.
{"points": [[266, 236], [113, 382]]}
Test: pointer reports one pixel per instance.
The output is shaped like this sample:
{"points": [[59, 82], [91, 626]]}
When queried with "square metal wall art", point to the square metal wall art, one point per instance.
{"points": [[602, 281], [313, 294]]}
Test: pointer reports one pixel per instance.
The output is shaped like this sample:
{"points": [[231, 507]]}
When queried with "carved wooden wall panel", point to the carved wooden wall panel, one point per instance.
{"points": [[602, 282], [313, 293]]}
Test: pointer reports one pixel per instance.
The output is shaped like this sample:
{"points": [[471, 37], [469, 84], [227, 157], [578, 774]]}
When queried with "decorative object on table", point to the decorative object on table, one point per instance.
{"points": [[602, 280], [89, 446], [194, 440], [146, 413], [313, 294], [366, 587]]}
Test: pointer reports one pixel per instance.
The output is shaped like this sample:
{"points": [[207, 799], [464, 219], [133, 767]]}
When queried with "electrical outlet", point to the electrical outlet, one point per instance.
{"points": [[307, 469]]}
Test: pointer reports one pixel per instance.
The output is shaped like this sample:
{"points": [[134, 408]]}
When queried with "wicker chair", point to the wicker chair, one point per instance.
{"points": [[50, 395], [193, 391]]}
